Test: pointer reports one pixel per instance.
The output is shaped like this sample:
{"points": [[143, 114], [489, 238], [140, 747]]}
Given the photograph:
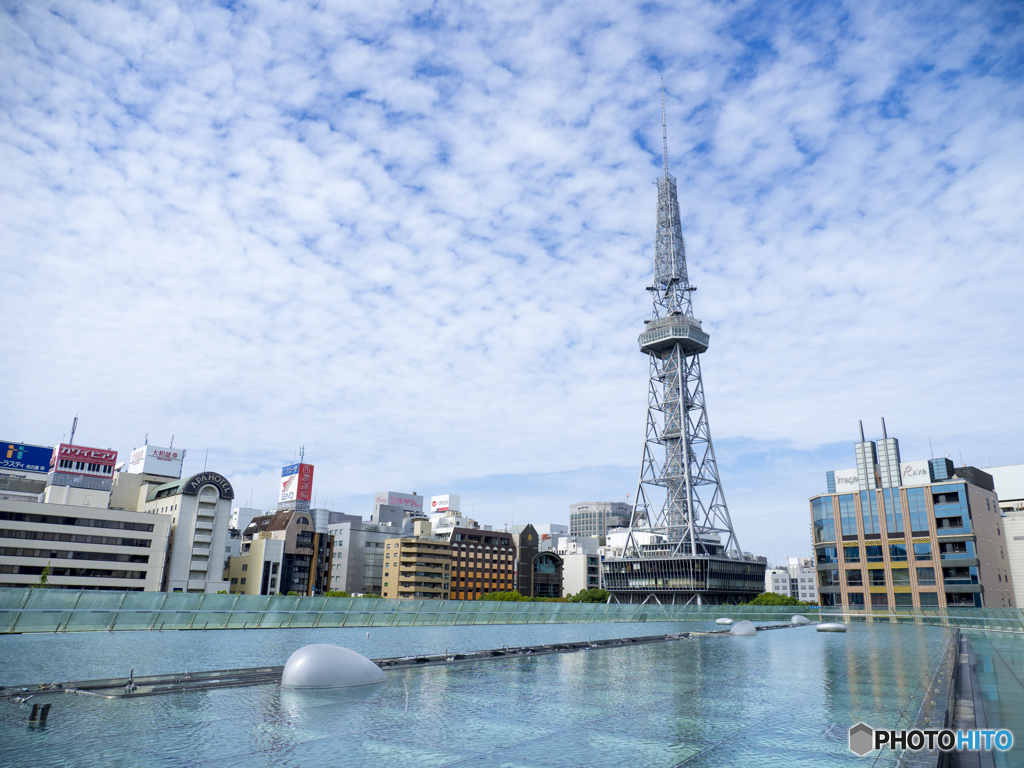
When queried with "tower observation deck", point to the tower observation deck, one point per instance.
{"points": [[680, 545]]}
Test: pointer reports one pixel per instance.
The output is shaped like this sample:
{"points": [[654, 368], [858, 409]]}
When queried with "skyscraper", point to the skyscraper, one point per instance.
{"points": [[682, 547]]}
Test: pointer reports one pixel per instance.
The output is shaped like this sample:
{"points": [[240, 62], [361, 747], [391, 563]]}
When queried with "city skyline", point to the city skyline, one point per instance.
{"points": [[416, 243]]}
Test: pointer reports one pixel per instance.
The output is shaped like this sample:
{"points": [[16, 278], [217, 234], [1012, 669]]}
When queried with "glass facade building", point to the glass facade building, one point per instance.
{"points": [[937, 543]]}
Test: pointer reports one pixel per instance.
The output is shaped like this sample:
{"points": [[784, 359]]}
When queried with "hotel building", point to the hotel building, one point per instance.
{"points": [[920, 534]]}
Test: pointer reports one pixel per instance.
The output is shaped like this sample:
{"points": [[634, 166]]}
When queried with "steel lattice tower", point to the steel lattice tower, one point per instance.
{"points": [[681, 545]]}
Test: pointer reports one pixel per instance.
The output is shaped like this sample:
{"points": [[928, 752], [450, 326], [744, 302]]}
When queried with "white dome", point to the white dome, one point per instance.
{"points": [[832, 627], [743, 629], [798, 619], [329, 666], [723, 620]]}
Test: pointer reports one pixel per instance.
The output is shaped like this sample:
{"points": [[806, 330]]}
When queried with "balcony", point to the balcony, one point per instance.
{"points": [[202, 538], [204, 525], [199, 565]]}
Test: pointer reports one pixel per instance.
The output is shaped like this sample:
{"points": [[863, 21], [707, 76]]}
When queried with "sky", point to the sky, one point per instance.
{"points": [[413, 239]]}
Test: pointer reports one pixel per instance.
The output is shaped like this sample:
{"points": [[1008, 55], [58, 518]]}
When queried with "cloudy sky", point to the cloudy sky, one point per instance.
{"points": [[414, 237]]}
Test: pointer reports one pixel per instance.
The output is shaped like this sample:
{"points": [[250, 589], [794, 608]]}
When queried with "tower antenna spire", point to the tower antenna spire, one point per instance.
{"points": [[664, 129], [681, 542]]}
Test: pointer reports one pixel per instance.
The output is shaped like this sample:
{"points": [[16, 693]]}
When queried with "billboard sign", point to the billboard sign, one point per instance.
{"points": [[20, 458], [915, 473], [847, 481], [446, 503], [404, 500], [297, 482], [153, 460], [81, 460]]}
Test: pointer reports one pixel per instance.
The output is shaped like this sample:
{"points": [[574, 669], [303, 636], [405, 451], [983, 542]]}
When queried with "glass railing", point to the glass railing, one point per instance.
{"points": [[50, 610]]}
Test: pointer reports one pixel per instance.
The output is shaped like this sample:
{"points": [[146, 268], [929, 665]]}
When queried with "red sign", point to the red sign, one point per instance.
{"points": [[305, 490], [79, 459]]}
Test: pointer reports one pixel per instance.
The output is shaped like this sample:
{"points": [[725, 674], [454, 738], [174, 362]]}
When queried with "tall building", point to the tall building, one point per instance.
{"points": [[482, 562], [594, 518], [909, 534], [680, 543], [417, 567], [357, 561], [303, 555]]}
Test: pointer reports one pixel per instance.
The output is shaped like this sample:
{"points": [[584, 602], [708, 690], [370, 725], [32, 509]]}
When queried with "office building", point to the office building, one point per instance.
{"points": [[304, 557], [398, 509], [417, 567], [84, 547], [798, 579], [538, 573], [595, 518], [482, 562], [894, 534], [1009, 487], [357, 561]]}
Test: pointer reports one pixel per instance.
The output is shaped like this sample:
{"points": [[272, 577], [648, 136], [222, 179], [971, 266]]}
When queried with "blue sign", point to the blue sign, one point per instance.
{"points": [[291, 470], [25, 458]]}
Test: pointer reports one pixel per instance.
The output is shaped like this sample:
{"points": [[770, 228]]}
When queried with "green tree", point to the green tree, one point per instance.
{"points": [[337, 593], [44, 578], [773, 598], [222, 591], [592, 595], [293, 594]]}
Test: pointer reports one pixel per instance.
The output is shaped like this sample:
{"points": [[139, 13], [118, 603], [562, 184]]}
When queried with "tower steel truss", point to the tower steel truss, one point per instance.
{"points": [[693, 519]]}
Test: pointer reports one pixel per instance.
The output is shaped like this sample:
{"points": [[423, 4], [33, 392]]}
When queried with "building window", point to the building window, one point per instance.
{"points": [[877, 577], [898, 552], [824, 519], [929, 599], [901, 577], [874, 553], [926, 577], [917, 510], [243, 580], [245, 567], [869, 513], [923, 551], [851, 554], [855, 578], [856, 599], [879, 600], [893, 510], [903, 600], [847, 515]]}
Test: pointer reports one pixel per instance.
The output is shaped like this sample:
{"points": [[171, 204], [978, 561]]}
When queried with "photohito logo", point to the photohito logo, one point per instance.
{"points": [[864, 739]]}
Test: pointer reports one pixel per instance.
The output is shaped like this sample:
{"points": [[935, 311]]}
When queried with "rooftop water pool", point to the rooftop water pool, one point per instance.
{"points": [[773, 699]]}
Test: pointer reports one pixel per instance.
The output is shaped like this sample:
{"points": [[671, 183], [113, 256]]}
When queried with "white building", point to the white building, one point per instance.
{"points": [[242, 516], [580, 571], [200, 508], [1009, 488], [85, 547], [797, 579], [357, 561], [595, 518]]}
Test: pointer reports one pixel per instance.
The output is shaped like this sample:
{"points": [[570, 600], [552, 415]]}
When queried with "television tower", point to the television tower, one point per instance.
{"points": [[687, 545]]}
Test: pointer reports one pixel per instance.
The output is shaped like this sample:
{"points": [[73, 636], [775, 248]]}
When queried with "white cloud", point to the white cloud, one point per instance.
{"points": [[418, 245]]}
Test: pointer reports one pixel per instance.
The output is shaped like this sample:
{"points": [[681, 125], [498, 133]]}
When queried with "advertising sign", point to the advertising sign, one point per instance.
{"points": [[297, 482], [154, 460], [19, 457], [915, 473], [448, 502], [403, 500], [847, 481], [81, 460]]}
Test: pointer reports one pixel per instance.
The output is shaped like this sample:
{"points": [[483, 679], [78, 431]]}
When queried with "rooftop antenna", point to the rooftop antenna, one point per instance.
{"points": [[172, 442], [74, 426], [302, 453], [862, 431], [885, 436], [146, 440], [961, 458], [664, 129], [930, 449], [207, 458]]}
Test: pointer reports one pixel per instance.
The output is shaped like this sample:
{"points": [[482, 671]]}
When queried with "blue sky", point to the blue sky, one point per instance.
{"points": [[414, 238]]}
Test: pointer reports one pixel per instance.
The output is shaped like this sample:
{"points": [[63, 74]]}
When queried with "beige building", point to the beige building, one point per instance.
{"points": [[417, 568], [298, 562], [892, 534], [85, 547], [257, 570]]}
